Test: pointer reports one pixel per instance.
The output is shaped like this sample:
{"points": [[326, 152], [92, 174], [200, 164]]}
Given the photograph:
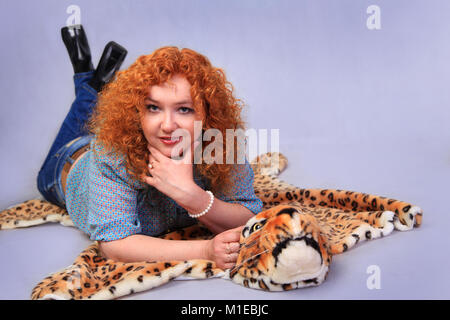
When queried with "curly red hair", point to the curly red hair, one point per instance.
{"points": [[116, 119]]}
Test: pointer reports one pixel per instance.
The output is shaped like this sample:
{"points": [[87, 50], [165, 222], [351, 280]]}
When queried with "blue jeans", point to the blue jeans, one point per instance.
{"points": [[72, 136]]}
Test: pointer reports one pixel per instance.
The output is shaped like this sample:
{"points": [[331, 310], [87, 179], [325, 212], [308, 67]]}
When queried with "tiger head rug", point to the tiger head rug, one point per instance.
{"points": [[288, 245], [281, 249]]}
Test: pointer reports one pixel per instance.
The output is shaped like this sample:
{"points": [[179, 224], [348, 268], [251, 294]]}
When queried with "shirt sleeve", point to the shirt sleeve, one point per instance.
{"points": [[242, 191], [112, 199]]}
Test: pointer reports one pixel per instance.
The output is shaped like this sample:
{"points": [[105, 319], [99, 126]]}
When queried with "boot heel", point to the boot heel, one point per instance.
{"points": [[77, 46], [111, 61]]}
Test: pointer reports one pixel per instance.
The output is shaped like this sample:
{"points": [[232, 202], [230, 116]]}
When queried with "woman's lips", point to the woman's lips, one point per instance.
{"points": [[171, 142]]}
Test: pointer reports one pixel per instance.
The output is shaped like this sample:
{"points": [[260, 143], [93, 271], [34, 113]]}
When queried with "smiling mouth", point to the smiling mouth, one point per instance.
{"points": [[170, 141]]}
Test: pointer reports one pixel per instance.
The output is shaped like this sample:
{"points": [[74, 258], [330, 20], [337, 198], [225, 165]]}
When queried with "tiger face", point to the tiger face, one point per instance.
{"points": [[281, 249]]}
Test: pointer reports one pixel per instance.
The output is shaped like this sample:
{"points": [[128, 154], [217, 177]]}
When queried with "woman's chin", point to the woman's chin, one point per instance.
{"points": [[167, 151]]}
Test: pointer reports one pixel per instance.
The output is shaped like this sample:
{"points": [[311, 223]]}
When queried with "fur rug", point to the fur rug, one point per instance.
{"points": [[288, 245]]}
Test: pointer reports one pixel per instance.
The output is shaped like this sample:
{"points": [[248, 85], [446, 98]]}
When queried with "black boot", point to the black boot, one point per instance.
{"points": [[111, 60], [77, 45]]}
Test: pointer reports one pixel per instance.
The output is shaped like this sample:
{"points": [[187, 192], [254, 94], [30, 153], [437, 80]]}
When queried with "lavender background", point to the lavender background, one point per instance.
{"points": [[358, 109]]}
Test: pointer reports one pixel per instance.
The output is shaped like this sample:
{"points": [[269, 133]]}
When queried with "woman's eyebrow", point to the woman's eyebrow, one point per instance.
{"points": [[151, 100], [176, 103], [183, 102]]}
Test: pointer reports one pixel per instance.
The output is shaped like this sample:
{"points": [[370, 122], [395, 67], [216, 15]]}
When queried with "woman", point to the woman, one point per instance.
{"points": [[122, 184]]}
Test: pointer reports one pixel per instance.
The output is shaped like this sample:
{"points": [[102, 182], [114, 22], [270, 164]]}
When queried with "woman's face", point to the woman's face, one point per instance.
{"points": [[168, 107]]}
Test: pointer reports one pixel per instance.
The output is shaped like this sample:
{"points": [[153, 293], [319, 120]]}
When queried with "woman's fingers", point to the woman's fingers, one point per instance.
{"points": [[229, 261], [232, 235], [149, 180], [231, 247], [187, 153], [228, 265], [234, 246], [225, 248], [230, 254], [151, 163], [231, 257]]}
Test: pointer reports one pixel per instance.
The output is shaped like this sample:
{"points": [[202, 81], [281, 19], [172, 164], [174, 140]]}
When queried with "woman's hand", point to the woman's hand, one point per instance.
{"points": [[223, 249], [172, 177]]}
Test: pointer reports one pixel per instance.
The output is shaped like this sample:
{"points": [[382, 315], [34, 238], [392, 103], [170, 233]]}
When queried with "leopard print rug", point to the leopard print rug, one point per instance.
{"points": [[324, 221]]}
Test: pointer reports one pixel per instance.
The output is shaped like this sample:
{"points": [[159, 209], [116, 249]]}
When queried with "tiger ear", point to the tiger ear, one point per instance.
{"points": [[269, 163]]}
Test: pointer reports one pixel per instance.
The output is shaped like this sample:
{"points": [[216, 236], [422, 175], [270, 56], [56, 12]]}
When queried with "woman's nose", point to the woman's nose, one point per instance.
{"points": [[168, 122]]}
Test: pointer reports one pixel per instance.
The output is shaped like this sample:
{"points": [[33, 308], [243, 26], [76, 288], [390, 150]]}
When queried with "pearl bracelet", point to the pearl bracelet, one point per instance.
{"points": [[211, 200]]}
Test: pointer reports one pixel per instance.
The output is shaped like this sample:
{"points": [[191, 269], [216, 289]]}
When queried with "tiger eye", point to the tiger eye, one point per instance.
{"points": [[256, 226]]}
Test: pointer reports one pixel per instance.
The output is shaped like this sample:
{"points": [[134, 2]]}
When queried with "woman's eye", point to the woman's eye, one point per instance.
{"points": [[186, 110], [152, 107]]}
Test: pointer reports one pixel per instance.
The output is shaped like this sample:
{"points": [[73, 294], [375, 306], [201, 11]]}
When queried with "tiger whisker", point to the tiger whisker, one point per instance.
{"points": [[248, 259]]}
